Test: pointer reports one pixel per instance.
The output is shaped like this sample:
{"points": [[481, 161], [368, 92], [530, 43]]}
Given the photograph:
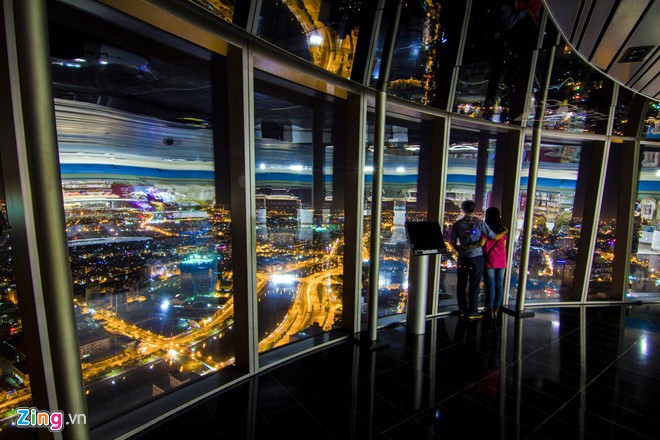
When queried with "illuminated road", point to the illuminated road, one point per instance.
{"points": [[304, 311], [185, 349], [180, 347]]}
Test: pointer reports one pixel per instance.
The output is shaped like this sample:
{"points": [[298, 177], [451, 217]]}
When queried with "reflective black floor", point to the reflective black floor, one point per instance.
{"points": [[568, 373]]}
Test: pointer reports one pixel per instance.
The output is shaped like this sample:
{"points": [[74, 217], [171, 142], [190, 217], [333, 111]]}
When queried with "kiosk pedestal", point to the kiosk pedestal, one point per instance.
{"points": [[425, 239], [417, 293]]}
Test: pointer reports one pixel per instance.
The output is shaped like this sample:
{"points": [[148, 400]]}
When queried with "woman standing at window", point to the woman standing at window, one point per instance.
{"points": [[495, 264]]}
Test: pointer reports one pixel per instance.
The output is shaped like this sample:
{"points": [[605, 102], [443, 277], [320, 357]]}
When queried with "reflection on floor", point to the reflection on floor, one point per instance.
{"points": [[578, 373]]}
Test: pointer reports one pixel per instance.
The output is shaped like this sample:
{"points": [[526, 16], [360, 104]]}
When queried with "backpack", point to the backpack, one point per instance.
{"points": [[467, 232]]}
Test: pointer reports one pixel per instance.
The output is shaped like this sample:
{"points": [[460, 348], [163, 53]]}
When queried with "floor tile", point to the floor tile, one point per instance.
{"points": [[480, 380]]}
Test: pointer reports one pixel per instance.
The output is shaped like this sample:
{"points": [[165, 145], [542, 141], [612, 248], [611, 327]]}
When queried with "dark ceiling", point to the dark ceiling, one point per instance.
{"points": [[619, 37]]}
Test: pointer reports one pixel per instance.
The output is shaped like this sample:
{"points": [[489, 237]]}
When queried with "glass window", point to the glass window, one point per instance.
{"points": [[221, 8], [299, 228], [576, 99], [150, 247], [600, 282], [399, 204], [645, 260], [651, 128], [420, 47], [324, 33], [499, 35], [622, 112], [13, 353], [557, 224], [465, 150]]}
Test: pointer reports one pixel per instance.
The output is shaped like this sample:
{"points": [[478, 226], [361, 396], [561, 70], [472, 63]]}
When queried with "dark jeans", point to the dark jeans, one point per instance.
{"points": [[469, 270], [494, 288]]}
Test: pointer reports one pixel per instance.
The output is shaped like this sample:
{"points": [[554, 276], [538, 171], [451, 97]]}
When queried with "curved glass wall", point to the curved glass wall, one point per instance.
{"points": [[149, 242], [470, 173], [577, 100], [421, 46], [557, 224], [403, 142], [644, 278], [142, 140], [500, 34], [461, 186], [324, 33], [299, 232]]}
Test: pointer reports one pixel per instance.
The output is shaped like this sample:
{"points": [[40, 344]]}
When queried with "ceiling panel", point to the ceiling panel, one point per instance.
{"points": [[603, 32]]}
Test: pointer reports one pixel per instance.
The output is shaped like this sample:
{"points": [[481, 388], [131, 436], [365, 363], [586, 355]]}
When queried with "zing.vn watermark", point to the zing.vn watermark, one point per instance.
{"points": [[54, 421]]}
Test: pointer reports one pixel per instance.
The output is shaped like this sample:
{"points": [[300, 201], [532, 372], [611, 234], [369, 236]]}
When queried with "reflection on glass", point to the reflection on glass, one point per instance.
{"points": [[644, 278], [150, 249], [622, 112], [322, 32], [15, 380], [399, 204], [557, 224], [575, 94], [221, 8], [299, 234], [600, 282], [421, 41], [500, 32], [461, 186], [651, 128]]}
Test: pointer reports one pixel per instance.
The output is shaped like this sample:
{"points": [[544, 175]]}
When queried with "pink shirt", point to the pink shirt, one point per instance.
{"points": [[495, 253]]}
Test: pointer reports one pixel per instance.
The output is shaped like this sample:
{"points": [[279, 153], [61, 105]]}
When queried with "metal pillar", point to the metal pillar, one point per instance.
{"points": [[356, 123], [510, 200], [318, 158], [531, 184], [243, 221], [377, 193], [44, 231], [482, 169], [459, 56], [436, 201]]}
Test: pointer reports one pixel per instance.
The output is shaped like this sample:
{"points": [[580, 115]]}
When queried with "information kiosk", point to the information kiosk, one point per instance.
{"points": [[425, 239]]}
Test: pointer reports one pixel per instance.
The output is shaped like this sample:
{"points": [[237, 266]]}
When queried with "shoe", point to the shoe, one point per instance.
{"points": [[474, 316], [496, 312], [462, 313]]}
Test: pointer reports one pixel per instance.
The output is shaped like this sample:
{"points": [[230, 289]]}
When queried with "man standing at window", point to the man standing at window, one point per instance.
{"points": [[466, 238]]}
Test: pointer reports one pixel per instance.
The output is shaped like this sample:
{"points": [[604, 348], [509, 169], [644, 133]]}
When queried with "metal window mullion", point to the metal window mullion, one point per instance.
{"points": [[482, 170], [240, 75], [529, 92], [246, 15], [436, 200], [356, 129], [531, 181], [510, 201], [365, 51], [380, 111], [459, 56], [16, 181], [43, 171]]}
